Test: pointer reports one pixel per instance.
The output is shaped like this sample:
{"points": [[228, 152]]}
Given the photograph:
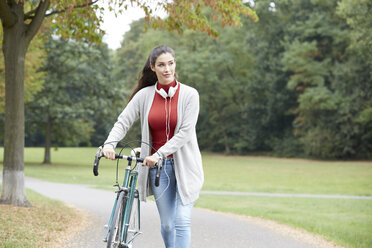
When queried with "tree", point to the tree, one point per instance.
{"points": [[21, 21], [359, 18], [78, 87]]}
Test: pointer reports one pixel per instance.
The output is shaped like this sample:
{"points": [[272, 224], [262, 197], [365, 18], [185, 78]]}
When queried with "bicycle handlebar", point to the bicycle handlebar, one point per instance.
{"points": [[99, 155]]}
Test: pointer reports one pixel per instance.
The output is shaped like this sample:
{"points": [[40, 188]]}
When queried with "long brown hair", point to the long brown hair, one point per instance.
{"points": [[147, 76]]}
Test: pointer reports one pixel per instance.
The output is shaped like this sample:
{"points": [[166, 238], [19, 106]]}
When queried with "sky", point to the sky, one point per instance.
{"points": [[115, 27]]}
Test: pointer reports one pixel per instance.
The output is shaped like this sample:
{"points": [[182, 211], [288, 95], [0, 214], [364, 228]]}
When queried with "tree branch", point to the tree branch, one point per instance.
{"points": [[34, 26], [29, 15], [7, 17]]}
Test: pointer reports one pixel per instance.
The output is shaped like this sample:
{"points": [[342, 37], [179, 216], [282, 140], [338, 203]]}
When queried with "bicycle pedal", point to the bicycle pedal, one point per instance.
{"points": [[126, 245]]}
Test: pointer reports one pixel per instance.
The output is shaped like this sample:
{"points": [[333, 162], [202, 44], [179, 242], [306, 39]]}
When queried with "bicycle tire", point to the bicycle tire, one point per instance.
{"points": [[116, 224]]}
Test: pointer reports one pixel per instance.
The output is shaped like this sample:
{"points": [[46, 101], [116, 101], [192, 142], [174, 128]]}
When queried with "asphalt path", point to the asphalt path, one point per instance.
{"points": [[209, 229]]}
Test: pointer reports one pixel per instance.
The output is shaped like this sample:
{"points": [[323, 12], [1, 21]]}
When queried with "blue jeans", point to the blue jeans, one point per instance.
{"points": [[175, 217]]}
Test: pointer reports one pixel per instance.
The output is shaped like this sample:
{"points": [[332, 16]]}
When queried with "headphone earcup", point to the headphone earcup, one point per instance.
{"points": [[171, 91], [162, 92]]}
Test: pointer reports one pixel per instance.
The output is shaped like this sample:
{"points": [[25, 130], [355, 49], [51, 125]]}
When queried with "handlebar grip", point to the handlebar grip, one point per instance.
{"points": [[96, 161], [157, 177], [95, 166]]}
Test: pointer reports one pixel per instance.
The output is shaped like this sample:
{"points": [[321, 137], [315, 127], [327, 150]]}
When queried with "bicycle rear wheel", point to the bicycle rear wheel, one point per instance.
{"points": [[116, 224]]}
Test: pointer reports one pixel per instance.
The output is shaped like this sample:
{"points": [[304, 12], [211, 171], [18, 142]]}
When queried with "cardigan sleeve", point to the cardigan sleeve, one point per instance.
{"points": [[125, 120], [187, 127]]}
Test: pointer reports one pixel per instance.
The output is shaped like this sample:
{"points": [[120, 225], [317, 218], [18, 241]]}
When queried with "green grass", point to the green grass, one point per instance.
{"points": [[39, 226], [222, 173], [278, 175], [343, 221], [346, 222]]}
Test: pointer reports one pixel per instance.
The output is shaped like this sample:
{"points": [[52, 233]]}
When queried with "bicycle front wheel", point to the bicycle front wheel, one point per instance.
{"points": [[117, 223], [134, 221]]}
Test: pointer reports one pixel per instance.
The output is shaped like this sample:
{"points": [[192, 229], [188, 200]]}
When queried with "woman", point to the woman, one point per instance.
{"points": [[168, 111]]}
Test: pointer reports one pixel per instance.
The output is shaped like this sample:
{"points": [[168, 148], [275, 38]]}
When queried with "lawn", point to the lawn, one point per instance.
{"points": [[279, 175], [346, 222], [45, 224]]}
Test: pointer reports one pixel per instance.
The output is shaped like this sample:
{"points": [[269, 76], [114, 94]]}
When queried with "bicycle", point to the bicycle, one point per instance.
{"points": [[124, 222]]}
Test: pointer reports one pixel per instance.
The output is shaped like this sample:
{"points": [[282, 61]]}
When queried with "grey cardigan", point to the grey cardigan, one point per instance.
{"points": [[183, 145]]}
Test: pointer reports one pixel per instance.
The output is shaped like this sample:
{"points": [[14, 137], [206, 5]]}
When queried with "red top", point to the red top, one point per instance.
{"points": [[160, 111]]}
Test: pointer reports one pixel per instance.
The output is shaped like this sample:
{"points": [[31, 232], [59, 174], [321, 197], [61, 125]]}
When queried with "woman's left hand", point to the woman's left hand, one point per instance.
{"points": [[150, 161]]}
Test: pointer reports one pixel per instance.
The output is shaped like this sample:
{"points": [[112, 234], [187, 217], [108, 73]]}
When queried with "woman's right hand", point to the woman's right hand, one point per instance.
{"points": [[109, 153]]}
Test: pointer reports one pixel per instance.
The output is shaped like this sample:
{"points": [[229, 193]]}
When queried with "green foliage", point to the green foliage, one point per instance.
{"points": [[358, 17], [301, 59], [77, 94], [331, 89]]}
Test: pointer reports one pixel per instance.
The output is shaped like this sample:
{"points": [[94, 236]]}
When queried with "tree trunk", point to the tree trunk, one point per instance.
{"points": [[226, 141], [224, 134], [48, 140], [14, 49]]}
